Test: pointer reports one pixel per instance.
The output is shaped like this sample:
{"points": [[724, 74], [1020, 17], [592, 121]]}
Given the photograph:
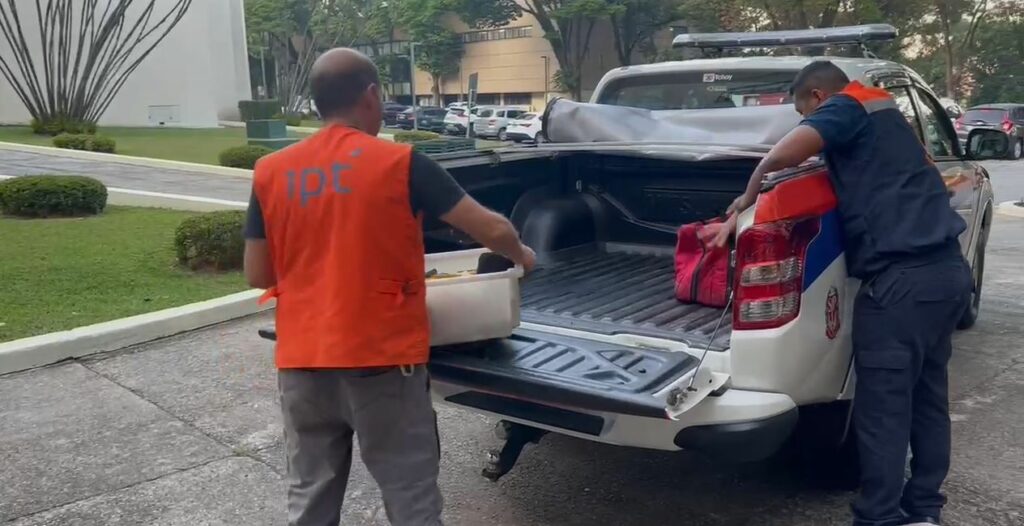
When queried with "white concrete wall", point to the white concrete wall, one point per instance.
{"points": [[201, 69]]}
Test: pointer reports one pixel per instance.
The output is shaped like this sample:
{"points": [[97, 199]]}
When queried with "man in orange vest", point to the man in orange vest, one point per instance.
{"points": [[334, 233]]}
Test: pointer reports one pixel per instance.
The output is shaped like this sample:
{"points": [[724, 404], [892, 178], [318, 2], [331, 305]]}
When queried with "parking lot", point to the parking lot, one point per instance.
{"points": [[186, 431]]}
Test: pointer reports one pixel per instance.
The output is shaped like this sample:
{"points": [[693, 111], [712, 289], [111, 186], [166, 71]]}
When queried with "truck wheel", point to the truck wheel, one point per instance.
{"points": [[824, 448], [970, 316], [502, 135]]}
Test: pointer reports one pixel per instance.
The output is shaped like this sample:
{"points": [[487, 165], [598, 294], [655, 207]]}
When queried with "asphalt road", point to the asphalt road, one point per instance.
{"points": [[1007, 179]]}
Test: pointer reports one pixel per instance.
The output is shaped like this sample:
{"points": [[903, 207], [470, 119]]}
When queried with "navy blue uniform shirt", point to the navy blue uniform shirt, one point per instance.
{"points": [[892, 200]]}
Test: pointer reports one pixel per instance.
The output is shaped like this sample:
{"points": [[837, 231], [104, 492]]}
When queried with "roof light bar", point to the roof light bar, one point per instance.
{"points": [[796, 37]]}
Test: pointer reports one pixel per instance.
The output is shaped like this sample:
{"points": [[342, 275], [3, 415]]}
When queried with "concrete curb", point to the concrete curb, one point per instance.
{"points": [[126, 159], [45, 349], [1009, 208]]}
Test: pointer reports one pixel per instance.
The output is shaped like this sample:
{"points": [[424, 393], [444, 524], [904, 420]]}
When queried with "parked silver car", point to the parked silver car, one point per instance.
{"points": [[494, 121]]}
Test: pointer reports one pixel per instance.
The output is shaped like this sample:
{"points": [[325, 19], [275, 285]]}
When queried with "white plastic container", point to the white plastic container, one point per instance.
{"points": [[474, 307]]}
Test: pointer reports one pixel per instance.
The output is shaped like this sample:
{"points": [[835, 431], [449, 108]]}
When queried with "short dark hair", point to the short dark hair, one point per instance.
{"points": [[337, 91], [820, 74]]}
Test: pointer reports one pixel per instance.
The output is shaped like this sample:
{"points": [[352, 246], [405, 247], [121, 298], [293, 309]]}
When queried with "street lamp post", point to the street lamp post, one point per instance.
{"points": [[412, 84], [546, 61]]}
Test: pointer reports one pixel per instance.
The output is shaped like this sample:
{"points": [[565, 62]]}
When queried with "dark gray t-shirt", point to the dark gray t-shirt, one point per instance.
{"points": [[432, 190]]}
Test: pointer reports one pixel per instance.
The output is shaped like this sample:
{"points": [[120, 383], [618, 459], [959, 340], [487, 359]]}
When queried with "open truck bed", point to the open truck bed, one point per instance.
{"points": [[617, 291]]}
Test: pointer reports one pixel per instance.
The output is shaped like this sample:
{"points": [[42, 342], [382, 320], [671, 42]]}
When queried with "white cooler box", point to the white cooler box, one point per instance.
{"points": [[472, 307]]}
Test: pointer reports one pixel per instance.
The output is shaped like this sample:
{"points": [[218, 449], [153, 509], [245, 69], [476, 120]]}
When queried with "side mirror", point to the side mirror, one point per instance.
{"points": [[985, 144]]}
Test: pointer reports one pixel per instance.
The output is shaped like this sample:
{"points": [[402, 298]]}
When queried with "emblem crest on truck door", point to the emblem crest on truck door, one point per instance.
{"points": [[832, 313]]}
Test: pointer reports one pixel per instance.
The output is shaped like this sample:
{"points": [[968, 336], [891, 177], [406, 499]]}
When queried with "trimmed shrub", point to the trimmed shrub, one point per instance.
{"points": [[243, 156], [415, 136], [59, 126], [52, 196], [254, 110], [89, 143], [293, 119], [211, 241]]}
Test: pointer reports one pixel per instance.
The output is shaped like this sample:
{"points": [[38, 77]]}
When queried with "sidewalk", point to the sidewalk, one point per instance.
{"points": [[121, 175]]}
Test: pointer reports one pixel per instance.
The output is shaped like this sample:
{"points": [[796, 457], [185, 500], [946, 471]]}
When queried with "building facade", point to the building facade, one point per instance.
{"points": [[194, 78], [514, 63]]}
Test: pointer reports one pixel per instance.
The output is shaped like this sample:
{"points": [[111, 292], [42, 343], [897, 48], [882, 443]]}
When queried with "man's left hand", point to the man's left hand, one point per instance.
{"points": [[728, 228]]}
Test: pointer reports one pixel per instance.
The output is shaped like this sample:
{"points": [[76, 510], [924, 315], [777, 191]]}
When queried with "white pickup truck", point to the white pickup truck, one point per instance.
{"points": [[605, 352]]}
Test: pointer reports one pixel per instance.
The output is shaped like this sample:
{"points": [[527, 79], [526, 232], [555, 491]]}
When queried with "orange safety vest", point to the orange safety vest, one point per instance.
{"points": [[347, 252]]}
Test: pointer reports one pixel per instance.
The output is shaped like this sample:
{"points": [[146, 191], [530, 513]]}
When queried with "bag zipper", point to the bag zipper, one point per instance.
{"points": [[695, 280]]}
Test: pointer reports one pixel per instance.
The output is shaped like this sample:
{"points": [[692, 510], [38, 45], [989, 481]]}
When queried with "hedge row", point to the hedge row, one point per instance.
{"points": [[52, 196], [212, 241], [88, 143], [59, 126], [415, 136], [243, 156]]}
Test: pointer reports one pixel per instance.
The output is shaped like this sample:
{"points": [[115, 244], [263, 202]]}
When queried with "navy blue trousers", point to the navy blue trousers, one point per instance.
{"points": [[903, 321]]}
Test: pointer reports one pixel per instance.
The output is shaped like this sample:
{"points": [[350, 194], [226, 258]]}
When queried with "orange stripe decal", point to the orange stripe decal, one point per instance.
{"points": [[862, 93], [806, 196]]}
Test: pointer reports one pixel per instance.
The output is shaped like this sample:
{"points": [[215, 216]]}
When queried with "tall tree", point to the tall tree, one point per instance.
{"points": [[439, 49], [86, 52], [295, 32], [949, 14], [635, 24], [568, 26]]}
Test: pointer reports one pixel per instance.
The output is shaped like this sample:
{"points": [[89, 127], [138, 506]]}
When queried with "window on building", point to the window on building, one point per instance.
{"points": [[504, 33], [487, 99], [518, 99]]}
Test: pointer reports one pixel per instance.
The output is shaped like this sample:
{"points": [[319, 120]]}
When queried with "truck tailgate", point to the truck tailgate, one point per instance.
{"points": [[563, 371]]}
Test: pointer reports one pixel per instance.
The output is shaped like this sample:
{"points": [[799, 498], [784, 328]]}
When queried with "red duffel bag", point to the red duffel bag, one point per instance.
{"points": [[702, 272]]}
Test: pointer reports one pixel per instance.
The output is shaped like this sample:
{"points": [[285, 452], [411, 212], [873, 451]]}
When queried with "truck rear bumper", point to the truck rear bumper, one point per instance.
{"points": [[737, 424]]}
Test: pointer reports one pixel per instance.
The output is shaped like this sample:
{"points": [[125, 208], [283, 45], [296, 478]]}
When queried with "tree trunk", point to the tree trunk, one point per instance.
{"points": [[435, 89], [947, 45]]}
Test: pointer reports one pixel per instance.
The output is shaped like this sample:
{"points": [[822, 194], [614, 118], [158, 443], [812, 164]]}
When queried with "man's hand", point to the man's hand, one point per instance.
{"points": [[491, 230], [529, 258], [726, 229], [740, 204]]}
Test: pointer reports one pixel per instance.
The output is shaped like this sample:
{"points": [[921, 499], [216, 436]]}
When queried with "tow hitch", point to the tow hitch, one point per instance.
{"points": [[516, 436]]}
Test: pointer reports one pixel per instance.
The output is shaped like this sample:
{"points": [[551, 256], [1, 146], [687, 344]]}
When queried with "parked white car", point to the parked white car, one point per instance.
{"points": [[527, 127], [494, 121], [456, 121]]}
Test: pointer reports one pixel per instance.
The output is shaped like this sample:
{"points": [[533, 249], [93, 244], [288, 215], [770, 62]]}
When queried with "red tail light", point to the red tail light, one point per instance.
{"points": [[1008, 125], [959, 123], [769, 272]]}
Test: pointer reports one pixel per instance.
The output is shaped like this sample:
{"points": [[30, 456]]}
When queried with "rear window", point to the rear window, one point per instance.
{"points": [[694, 90], [528, 116], [985, 115], [435, 113], [485, 113]]}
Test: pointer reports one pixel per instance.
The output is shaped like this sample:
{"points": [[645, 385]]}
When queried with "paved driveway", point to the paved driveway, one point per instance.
{"points": [[129, 176], [186, 431]]}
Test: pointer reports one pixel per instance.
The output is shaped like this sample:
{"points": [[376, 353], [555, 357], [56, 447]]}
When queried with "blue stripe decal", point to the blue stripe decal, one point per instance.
{"points": [[824, 249]]}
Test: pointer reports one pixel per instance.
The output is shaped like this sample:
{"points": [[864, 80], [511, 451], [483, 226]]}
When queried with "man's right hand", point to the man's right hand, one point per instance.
{"points": [[491, 230], [529, 258]]}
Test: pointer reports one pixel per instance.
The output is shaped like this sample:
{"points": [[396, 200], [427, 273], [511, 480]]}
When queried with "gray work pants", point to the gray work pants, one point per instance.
{"points": [[391, 415]]}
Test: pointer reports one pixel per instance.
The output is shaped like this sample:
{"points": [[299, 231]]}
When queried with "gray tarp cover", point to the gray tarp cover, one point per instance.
{"points": [[566, 121]]}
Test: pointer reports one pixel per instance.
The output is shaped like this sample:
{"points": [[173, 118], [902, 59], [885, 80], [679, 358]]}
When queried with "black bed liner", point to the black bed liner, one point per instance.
{"points": [[614, 292]]}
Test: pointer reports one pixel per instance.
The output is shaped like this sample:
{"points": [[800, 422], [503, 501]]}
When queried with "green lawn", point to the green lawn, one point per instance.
{"points": [[64, 273], [194, 145]]}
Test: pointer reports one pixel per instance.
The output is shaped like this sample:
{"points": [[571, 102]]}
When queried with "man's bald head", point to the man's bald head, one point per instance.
{"points": [[339, 79]]}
